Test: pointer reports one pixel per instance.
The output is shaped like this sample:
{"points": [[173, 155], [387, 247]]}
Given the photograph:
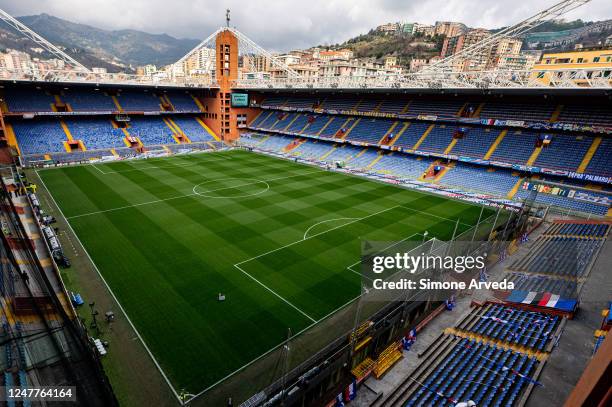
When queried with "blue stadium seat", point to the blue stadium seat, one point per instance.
{"points": [[39, 136], [150, 130], [192, 129]]}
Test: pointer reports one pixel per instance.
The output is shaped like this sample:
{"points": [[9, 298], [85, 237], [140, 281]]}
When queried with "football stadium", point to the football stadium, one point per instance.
{"points": [[251, 233]]}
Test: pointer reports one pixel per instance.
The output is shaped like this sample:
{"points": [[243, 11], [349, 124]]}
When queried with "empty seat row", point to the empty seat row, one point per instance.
{"points": [[497, 182], [578, 229], [92, 100], [563, 152], [561, 256], [515, 326], [482, 373], [585, 114]]}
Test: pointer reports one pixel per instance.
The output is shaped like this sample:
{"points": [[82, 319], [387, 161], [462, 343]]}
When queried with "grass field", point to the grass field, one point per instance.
{"points": [[274, 236]]}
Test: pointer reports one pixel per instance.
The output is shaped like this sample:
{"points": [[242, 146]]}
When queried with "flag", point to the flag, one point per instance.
{"points": [[549, 300], [339, 401], [412, 334], [524, 238], [409, 339], [351, 391]]}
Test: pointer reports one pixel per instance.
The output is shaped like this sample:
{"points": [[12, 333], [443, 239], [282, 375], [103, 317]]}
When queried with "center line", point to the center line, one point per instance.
{"points": [[183, 196]]}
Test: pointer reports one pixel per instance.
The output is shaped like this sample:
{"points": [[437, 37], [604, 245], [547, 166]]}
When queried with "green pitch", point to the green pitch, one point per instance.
{"points": [[275, 237]]}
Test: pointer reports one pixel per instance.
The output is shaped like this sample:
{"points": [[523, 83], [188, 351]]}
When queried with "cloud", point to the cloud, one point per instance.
{"points": [[287, 24]]}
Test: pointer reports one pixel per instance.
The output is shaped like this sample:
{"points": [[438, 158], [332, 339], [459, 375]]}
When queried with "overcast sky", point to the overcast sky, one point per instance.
{"points": [[286, 24]]}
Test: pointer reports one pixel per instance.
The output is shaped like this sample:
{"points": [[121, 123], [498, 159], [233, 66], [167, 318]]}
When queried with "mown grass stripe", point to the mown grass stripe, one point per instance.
{"points": [[168, 261]]}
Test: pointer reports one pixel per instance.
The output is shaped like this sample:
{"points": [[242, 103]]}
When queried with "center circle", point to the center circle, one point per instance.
{"points": [[231, 188]]}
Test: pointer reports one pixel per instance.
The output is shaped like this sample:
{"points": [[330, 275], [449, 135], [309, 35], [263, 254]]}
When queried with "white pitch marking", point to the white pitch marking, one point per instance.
{"points": [[178, 197], [317, 234], [276, 294], [324, 221], [161, 371], [245, 195], [96, 167]]}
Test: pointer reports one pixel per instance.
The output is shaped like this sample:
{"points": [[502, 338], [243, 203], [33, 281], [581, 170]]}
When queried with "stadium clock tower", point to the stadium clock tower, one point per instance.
{"points": [[220, 116]]}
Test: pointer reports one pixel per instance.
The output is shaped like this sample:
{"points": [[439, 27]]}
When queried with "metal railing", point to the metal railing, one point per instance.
{"points": [[539, 78]]}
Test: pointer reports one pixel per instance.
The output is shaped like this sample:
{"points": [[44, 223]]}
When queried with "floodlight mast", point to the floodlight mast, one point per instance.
{"points": [[43, 43], [246, 47]]}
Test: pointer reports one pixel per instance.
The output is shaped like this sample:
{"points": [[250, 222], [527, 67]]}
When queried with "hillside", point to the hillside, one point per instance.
{"points": [[403, 46], [406, 46], [97, 47], [11, 39]]}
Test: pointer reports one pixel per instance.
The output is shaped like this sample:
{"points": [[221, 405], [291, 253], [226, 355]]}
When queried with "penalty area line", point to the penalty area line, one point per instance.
{"points": [[276, 294]]}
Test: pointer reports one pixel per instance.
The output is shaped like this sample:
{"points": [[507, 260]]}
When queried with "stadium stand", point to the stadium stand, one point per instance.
{"points": [[600, 162], [363, 159], [412, 135], [518, 111], [317, 123], [342, 153], [273, 101], [461, 369], [341, 103], [566, 202], [572, 229], [370, 130], [192, 129], [95, 132], [438, 138], [39, 136], [449, 108], [464, 176], [575, 151], [392, 106], [562, 256], [583, 114], [86, 100], [28, 100], [400, 166], [183, 102], [508, 324], [475, 142], [150, 130], [310, 150], [139, 101], [516, 147], [331, 128], [275, 144], [564, 152], [475, 178], [592, 115], [300, 102], [298, 124]]}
